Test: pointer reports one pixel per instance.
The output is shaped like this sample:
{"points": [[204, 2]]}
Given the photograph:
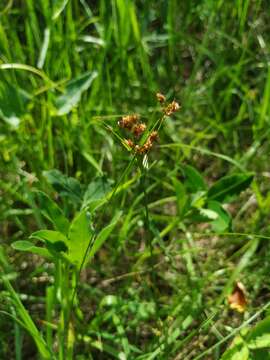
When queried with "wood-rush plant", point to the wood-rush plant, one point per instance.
{"points": [[140, 141], [71, 245]]}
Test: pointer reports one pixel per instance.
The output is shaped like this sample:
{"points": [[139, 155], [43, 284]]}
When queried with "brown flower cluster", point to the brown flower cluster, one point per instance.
{"points": [[143, 149], [160, 97], [128, 121], [131, 123], [170, 108], [136, 128]]}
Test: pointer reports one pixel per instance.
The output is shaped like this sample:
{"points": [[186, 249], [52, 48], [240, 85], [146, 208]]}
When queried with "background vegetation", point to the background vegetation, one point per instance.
{"points": [[68, 72]]}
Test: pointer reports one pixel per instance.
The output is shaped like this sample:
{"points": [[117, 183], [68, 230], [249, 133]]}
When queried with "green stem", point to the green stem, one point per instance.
{"points": [[61, 325], [50, 303], [149, 240], [66, 329]]}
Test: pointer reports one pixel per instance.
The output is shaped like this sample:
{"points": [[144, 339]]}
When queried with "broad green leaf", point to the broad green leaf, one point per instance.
{"points": [[223, 219], [24, 245], [104, 234], [198, 199], [236, 352], [229, 186], [96, 192], [53, 213], [259, 337], [80, 235], [64, 185], [49, 235], [194, 180], [209, 214], [181, 196], [73, 92], [13, 103], [55, 238], [55, 241], [57, 248]]}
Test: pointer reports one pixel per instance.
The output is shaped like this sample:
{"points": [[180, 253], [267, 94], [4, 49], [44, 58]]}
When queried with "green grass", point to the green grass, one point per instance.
{"points": [[157, 288]]}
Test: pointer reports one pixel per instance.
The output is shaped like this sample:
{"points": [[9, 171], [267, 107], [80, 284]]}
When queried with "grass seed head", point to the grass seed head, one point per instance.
{"points": [[148, 144], [138, 129], [153, 136], [171, 108], [160, 97], [128, 121], [129, 143]]}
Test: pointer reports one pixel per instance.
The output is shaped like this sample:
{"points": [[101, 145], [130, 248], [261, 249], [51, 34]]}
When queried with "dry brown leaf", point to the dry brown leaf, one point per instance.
{"points": [[237, 300]]}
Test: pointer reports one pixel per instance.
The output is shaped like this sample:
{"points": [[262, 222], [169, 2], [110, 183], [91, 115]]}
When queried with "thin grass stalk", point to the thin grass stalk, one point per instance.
{"points": [[44, 352], [149, 239]]}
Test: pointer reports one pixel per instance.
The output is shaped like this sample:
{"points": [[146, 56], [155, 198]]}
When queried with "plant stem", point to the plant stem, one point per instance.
{"points": [[149, 239]]}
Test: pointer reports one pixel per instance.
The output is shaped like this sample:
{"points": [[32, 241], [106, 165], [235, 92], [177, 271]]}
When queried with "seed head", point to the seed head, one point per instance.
{"points": [[143, 149], [171, 108], [138, 149], [128, 121], [129, 143], [160, 97], [148, 144], [138, 129], [153, 136]]}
